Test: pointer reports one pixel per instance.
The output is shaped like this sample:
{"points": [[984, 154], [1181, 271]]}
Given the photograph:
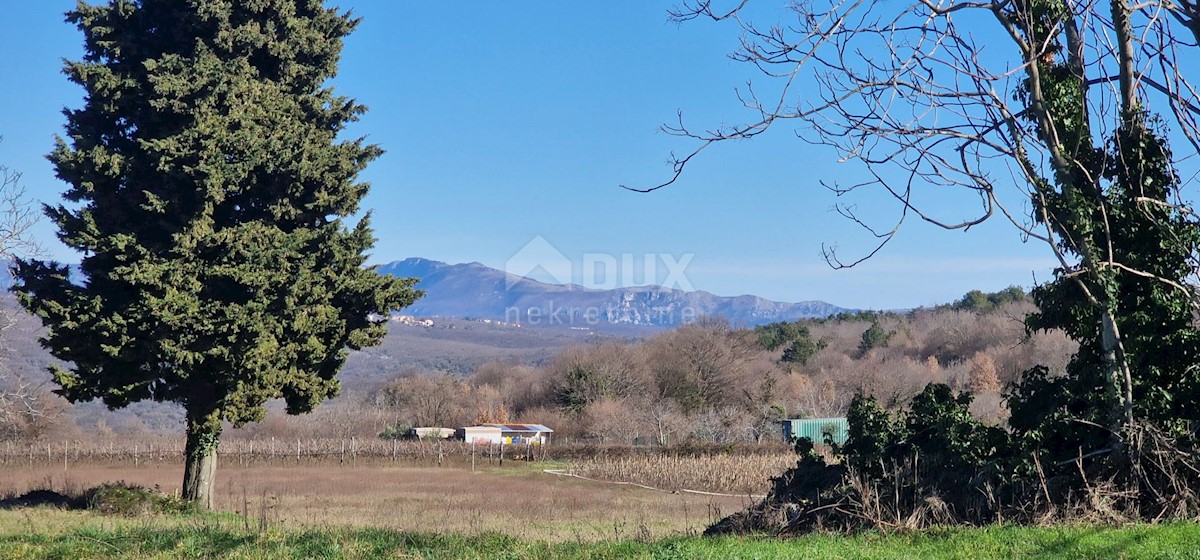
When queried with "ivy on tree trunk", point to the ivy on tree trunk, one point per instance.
{"points": [[200, 455]]}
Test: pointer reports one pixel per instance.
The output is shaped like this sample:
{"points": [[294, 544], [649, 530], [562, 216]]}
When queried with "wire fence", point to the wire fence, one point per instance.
{"points": [[274, 451]]}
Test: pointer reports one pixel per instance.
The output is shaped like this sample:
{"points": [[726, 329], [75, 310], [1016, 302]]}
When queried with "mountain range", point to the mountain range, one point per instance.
{"points": [[477, 291]]}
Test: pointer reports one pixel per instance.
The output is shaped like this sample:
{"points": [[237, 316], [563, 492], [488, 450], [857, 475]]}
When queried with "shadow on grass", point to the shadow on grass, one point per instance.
{"points": [[204, 542], [1096, 542], [1060, 541], [43, 498], [113, 498]]}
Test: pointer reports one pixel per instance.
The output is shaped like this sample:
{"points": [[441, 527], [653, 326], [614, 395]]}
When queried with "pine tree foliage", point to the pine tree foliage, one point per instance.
{"points": [[209, 190]]}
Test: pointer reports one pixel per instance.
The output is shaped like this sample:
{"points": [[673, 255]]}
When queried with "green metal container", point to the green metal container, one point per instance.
{"points": [[816, 429]]}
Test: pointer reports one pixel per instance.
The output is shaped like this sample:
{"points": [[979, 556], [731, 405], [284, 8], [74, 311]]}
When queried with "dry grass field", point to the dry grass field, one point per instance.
{"points": [[729, 474], [517, 499]]}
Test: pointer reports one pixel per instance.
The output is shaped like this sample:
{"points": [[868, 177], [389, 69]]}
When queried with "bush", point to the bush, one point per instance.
{"points": [[934, 464], [397, 431], [121, 498]]}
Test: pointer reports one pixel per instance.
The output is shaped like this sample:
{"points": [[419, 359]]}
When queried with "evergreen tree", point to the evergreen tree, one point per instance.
{"points": [[801, 350], [793, 337], [208, 188], [874, 337]]}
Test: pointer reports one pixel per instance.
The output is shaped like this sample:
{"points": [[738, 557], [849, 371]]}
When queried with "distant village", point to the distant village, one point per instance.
{"points": [[411, 321]]}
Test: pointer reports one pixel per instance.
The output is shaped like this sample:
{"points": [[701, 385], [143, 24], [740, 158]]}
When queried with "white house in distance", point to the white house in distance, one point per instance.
{"points": [[429, 433], [506, 434]]}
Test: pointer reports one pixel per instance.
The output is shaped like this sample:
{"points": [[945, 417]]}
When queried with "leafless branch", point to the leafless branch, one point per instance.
{"points": [[922, 106]]}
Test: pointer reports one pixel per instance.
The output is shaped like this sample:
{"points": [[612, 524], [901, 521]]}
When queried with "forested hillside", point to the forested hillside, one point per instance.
{"points": [[715, 382], [711, 380]]}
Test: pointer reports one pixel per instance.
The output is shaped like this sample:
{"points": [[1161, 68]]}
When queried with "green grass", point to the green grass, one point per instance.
{"points": [[44, 533]]}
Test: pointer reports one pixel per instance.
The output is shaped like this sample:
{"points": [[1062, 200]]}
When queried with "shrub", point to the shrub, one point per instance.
{"points": [[933, 464], [121, 498], [396, 431]]}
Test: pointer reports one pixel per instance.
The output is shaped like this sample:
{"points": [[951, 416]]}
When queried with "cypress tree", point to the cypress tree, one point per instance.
{"points": [[208, 189]]}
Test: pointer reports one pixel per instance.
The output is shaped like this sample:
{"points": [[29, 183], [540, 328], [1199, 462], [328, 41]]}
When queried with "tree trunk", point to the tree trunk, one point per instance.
{"points": [[1120, 380], [1125, 59], [200, 466]]}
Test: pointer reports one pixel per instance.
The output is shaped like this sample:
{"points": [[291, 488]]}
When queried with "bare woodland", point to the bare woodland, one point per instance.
{"points": [[27, 406], [705, 382]]}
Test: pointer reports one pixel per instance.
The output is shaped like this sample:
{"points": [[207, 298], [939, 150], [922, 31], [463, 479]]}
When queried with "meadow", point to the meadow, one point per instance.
{"points": [[417, 502], [41, 533], [428, 492]]}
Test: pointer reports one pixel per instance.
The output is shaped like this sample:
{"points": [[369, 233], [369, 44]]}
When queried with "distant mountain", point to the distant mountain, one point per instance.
{"points": [[475, 290]]}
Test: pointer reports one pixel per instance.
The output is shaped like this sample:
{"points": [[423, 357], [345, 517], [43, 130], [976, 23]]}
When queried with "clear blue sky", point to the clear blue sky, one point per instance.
{"points": [[505, 121]]}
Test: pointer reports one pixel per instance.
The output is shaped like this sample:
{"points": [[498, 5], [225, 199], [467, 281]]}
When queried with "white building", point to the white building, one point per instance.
{"points": [[430, 433], [506, 434]]}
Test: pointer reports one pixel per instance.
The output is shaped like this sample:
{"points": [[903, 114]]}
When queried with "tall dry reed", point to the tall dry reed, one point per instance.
{"points": [[731, 474]]}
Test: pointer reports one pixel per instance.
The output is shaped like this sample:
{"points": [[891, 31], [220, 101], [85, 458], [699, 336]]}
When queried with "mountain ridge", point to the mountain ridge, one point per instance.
{"points": [[476, 290]]}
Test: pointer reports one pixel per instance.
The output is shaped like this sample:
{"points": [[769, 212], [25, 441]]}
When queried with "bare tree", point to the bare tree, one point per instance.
{"points": [[665, 420], [25, 407], [613, 420], [584, 375], [428, 398], [704, 364], [17, 217], [972, 97]]}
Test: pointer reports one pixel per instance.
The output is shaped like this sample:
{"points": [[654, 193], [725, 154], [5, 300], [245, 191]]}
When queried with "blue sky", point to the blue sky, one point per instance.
{"points": [[508, 121]]}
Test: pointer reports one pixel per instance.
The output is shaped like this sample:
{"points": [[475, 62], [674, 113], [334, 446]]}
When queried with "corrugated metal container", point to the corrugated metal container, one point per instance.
{"points": [[816, 429]]}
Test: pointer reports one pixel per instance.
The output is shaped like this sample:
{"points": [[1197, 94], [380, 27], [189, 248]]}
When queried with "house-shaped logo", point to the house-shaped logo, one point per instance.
{"points": [[538, 260]]}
